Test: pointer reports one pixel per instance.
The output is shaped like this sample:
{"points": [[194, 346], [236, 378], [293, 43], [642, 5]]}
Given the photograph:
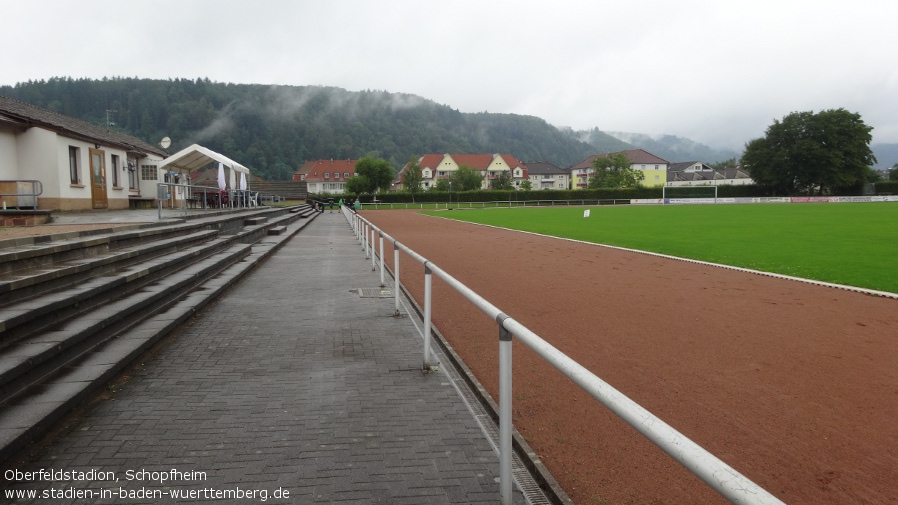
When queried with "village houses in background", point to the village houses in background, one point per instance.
{"points": [[82, 166], [329, 176]]}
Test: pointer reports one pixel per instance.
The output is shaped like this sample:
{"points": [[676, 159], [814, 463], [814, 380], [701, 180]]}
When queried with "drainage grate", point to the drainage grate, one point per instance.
{"points": [[375, 293]]}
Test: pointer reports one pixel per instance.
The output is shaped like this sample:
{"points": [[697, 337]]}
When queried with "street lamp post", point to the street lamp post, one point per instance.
{"points": [[450, 195]]}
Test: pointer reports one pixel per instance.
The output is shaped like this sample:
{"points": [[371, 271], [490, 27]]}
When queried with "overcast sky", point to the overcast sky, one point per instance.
{"points": [[718, 72]]}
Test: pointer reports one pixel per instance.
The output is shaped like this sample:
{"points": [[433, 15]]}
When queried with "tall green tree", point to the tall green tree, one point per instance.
{"points": [[377, 172], [357, 185], [466, 179], [503, 181], [808, 153], [727, 163], [614, 171], [412, 177]]}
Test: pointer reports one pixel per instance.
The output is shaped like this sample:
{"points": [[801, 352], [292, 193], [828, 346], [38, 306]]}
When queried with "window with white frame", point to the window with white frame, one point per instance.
{"points": [[116, 165], [75, 165]]}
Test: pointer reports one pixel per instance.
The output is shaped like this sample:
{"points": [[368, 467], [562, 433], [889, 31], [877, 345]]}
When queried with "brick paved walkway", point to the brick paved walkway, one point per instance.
{"points": [[290, 382]]}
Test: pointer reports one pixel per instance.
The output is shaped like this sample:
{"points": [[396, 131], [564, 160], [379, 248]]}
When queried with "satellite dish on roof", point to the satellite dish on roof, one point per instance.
{"points": [[165, 142]]}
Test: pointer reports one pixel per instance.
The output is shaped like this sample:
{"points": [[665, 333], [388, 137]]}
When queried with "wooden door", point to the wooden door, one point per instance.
{"points": [[99, 197]]}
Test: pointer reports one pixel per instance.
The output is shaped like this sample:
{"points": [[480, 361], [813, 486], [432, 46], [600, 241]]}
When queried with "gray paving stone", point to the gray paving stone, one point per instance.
{"points": [[292, 381]]}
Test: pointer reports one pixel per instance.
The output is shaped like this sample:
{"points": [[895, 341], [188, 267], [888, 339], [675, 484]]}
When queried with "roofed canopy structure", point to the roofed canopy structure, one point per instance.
{"points": [[196, 157]]}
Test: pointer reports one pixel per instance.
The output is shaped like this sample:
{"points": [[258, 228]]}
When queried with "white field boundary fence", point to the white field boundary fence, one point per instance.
{"points": [[724, 479], [493, 204], [633, 201]]}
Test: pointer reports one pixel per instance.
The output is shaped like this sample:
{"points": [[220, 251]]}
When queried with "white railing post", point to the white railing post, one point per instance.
{"points": [[373, 250], [365, 241], [428, 275], [382, 278], [505, 420], [396, 276]]}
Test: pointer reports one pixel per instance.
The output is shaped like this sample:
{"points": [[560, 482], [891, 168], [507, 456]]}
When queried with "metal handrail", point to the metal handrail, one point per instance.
{"points": [[721, 477], [242, 197], [37, 189]]}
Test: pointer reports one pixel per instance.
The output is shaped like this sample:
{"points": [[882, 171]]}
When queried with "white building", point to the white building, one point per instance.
{"points": [[78, 165]]}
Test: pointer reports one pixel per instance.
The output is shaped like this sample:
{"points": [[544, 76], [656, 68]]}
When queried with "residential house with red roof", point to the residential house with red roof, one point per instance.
{"points": [[326, 176], [441, 166], [652, 168]]}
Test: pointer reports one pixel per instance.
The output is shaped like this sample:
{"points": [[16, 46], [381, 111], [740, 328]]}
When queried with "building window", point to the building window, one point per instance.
{"points": [[74, 170], [302, 177], [149, 173], [336, 175], [656, 167], [327, 175], [346, 175], [116, 165]]}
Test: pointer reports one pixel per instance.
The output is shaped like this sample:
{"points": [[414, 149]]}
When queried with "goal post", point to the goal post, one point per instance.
{"points": [[689, 194]]}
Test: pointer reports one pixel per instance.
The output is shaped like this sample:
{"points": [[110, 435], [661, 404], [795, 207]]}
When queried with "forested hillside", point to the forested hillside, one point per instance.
{"points": [[274, 129]]}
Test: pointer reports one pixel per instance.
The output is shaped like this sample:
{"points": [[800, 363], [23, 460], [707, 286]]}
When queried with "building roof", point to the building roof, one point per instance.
{"points": [[736, 173], [639, 156], [23, 115], [195, 157], [544, 168], [476, 161], [314, 170], [679, 167], [430, 161], [636, 157], [679, 175]]}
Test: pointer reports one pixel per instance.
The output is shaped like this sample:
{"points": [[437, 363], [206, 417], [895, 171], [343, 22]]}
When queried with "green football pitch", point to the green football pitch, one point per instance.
{"points": [[852, 244]]}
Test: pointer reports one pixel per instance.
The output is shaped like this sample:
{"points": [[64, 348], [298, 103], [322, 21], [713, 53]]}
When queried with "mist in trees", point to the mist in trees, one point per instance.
{"points": [[274, 129]]}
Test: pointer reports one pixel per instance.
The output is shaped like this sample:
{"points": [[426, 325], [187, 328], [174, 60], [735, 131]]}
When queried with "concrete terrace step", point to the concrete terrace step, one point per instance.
{"points": [[19, 284], [44, 377], [23, 357], [51, 308]]}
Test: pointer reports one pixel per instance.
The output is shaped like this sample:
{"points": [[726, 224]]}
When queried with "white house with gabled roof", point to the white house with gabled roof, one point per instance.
{"points": [[76, 164]]}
